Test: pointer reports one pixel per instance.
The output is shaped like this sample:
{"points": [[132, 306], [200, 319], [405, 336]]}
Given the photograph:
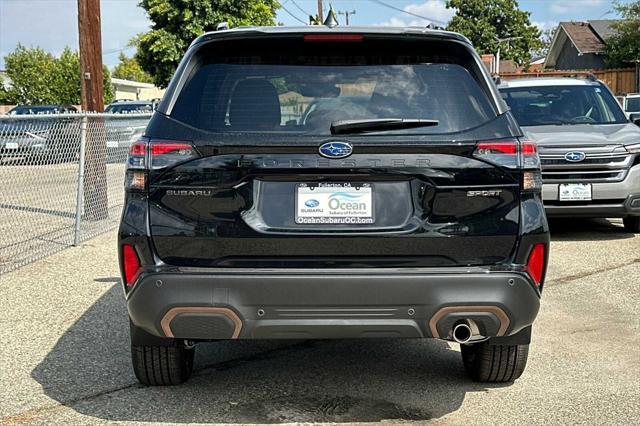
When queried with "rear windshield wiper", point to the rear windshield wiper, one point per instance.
{"points": [[342, 127]]}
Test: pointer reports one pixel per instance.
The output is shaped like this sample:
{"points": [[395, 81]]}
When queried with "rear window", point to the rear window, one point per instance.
{"points": [[129, 108], [633, 104], [286, 85], [558, 105]]}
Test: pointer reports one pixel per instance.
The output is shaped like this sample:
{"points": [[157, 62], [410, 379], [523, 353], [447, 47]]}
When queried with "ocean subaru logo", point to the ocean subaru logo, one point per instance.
{"points": [[336, 149], [575, 156], [312, 203]]}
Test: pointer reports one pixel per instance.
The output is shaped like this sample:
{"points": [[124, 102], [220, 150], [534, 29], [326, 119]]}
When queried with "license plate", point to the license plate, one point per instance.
{"points": [[11, 145], [112, 144], [334, 203], [574, 192]]}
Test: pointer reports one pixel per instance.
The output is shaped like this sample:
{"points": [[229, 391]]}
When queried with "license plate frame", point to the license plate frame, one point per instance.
{"points": [[354, 205], [575, 192]]}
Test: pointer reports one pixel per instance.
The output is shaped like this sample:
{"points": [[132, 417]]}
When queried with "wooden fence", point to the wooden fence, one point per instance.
{"points": [[620, 80]]}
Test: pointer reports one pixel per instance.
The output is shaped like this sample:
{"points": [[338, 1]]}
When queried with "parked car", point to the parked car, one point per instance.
{"points": [[632, 103], [42, 109], [590, 152], [122, 132], [49, 139], [417, 216], [129, 107]]}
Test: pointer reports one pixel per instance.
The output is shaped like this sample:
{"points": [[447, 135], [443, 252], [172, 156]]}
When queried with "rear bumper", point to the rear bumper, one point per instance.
{"points": [[319, 304]]}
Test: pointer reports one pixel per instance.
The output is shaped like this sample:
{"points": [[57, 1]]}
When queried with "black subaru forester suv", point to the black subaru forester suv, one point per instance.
{"points": [[332, 183]]}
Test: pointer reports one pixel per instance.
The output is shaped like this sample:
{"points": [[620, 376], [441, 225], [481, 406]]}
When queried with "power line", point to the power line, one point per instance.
{"points": [[409, 13], [301, 9], [291, 14]]}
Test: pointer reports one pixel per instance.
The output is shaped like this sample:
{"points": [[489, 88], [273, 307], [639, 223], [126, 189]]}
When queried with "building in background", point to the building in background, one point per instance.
{"points": [[579, 46], [135, 91]]}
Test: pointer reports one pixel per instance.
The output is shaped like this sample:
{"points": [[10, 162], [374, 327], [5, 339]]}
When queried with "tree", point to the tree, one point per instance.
{"points": [[545, 40], [130, 69], [37, 77], [485, 21], [31, 73], [623, 47], [177, 22]]}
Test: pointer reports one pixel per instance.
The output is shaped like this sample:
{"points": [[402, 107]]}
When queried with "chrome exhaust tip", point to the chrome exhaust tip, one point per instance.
{"points": [[462, 332]]}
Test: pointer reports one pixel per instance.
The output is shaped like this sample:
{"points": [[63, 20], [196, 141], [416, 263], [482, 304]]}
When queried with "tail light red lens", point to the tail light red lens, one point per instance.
{"points": [[502, 153], [509, 153], [489, 148], [536, 263], [165, 153], [138, 155], [131, 264], [155, 154], [530, 158], [529, 148], [168, 147]]}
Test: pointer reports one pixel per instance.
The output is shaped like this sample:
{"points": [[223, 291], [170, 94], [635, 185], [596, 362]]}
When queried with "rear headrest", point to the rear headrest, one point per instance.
{"points": [[254, 105]]}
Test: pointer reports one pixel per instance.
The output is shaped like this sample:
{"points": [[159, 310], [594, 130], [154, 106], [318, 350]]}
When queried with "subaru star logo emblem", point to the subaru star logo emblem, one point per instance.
{"points": [[336, 149], [312, 203], [575, 156]]}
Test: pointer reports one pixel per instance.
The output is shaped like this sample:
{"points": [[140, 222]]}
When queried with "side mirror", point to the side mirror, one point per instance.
{"points": [[634, 117]]}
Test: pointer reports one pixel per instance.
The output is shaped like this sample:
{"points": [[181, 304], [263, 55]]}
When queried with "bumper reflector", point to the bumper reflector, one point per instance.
{"points": [[131, 264], [535, 264]]}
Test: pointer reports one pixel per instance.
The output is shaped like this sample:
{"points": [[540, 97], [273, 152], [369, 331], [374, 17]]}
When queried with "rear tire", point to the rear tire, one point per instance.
{"points": [[162, 365], [494, 363], [632, 224]]}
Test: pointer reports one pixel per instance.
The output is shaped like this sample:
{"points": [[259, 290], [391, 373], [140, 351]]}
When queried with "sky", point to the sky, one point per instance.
{"points": [[52, 24]]}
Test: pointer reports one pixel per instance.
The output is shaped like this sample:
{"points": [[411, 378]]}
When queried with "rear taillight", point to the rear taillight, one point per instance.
{"points": [[164, 153], [510, 153], [154, 154], [530, 157], [536, 262], [131, 264], [513, 154]]}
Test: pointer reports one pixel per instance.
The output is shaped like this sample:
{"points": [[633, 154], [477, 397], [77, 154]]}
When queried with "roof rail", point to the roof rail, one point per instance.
{"points": [[222, 26]]}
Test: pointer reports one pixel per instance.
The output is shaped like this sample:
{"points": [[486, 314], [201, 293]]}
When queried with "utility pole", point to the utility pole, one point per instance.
{"points": [[346, 13], [320, 13], [95, 197], [90, 36]]}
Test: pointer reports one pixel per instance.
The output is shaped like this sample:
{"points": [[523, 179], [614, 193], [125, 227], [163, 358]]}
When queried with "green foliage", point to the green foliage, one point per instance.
{"points": [[483, 21], [623, 48], [37, 77], [4, 95], [66, 78], [108, 93], [31, 73], [130, 69], [177, 22]]}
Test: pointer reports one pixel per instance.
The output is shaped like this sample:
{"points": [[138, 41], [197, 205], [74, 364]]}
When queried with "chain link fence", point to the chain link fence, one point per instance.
{"points": [[61, 180]]}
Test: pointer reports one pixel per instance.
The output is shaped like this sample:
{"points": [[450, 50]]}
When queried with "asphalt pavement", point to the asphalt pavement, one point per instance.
{"points": [[64, 354]]}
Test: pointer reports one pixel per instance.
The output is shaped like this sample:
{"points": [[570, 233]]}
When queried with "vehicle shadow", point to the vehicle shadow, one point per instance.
{"points": [[89, 370], [582, 229]]}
